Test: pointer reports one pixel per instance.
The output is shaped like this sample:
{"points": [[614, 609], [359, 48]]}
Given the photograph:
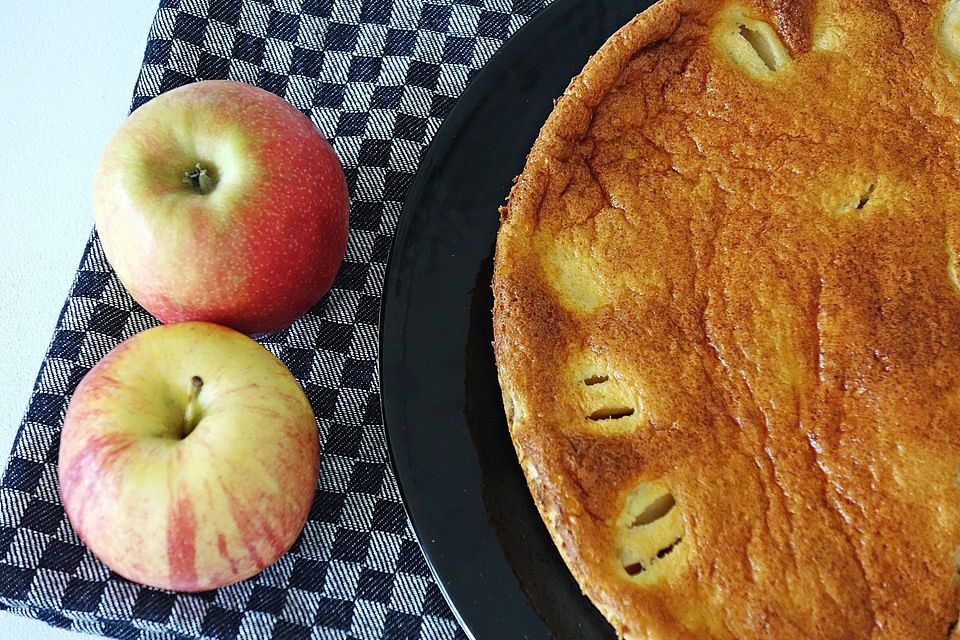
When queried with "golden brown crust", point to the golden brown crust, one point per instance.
{"points": [[727, 318]]}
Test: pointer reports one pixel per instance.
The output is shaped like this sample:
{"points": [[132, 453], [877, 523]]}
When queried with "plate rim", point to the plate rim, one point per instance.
{"points": [[451, 123]]}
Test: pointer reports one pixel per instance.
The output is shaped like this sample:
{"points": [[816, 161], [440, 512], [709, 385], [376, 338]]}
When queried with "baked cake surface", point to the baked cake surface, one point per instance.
{"points": [[727, 320]]}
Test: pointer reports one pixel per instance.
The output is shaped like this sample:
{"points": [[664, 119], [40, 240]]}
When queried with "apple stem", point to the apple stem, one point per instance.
{"points": [[191, 415], [200, 180]]}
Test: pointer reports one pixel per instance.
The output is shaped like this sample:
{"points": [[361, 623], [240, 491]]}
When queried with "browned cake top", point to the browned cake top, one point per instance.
{"points": [[728, 320]]}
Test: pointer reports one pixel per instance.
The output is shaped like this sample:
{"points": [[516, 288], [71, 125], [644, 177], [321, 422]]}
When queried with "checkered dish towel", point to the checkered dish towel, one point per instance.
{"points": [[377, 77]]}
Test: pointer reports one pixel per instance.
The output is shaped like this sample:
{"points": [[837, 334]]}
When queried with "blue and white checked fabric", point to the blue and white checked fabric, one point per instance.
{"points": [[377, 77]]}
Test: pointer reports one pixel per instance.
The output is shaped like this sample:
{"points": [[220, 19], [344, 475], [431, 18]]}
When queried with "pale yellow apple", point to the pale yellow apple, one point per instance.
{"points": [[188, 458]]}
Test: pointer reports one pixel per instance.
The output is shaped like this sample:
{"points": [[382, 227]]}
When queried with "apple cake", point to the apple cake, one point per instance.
{"points": [[727, 321]]}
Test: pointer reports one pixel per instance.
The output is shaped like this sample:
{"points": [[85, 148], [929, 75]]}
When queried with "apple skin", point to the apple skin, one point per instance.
{"points": [[197, 512], [254, 253]]}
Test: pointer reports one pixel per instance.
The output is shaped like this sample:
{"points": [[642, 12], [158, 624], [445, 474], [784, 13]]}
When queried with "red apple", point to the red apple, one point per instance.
{"points": [[188, 458], [219, 201]]}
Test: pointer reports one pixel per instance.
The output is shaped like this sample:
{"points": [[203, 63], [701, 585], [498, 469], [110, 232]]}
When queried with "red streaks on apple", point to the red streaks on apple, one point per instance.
{"points": [[225, 553], [181, 544], [92, 459], [253, 528]]}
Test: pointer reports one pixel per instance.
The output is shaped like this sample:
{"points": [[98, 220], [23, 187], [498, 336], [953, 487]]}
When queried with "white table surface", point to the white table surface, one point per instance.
{"points": [[67, 73]]}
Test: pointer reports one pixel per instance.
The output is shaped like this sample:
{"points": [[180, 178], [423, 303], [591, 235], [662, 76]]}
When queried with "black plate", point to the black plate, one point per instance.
{"points": [[462, 485]]}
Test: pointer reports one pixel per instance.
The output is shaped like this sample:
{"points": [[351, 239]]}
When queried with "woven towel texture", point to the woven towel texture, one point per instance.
{"points": [[377, 77]]}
